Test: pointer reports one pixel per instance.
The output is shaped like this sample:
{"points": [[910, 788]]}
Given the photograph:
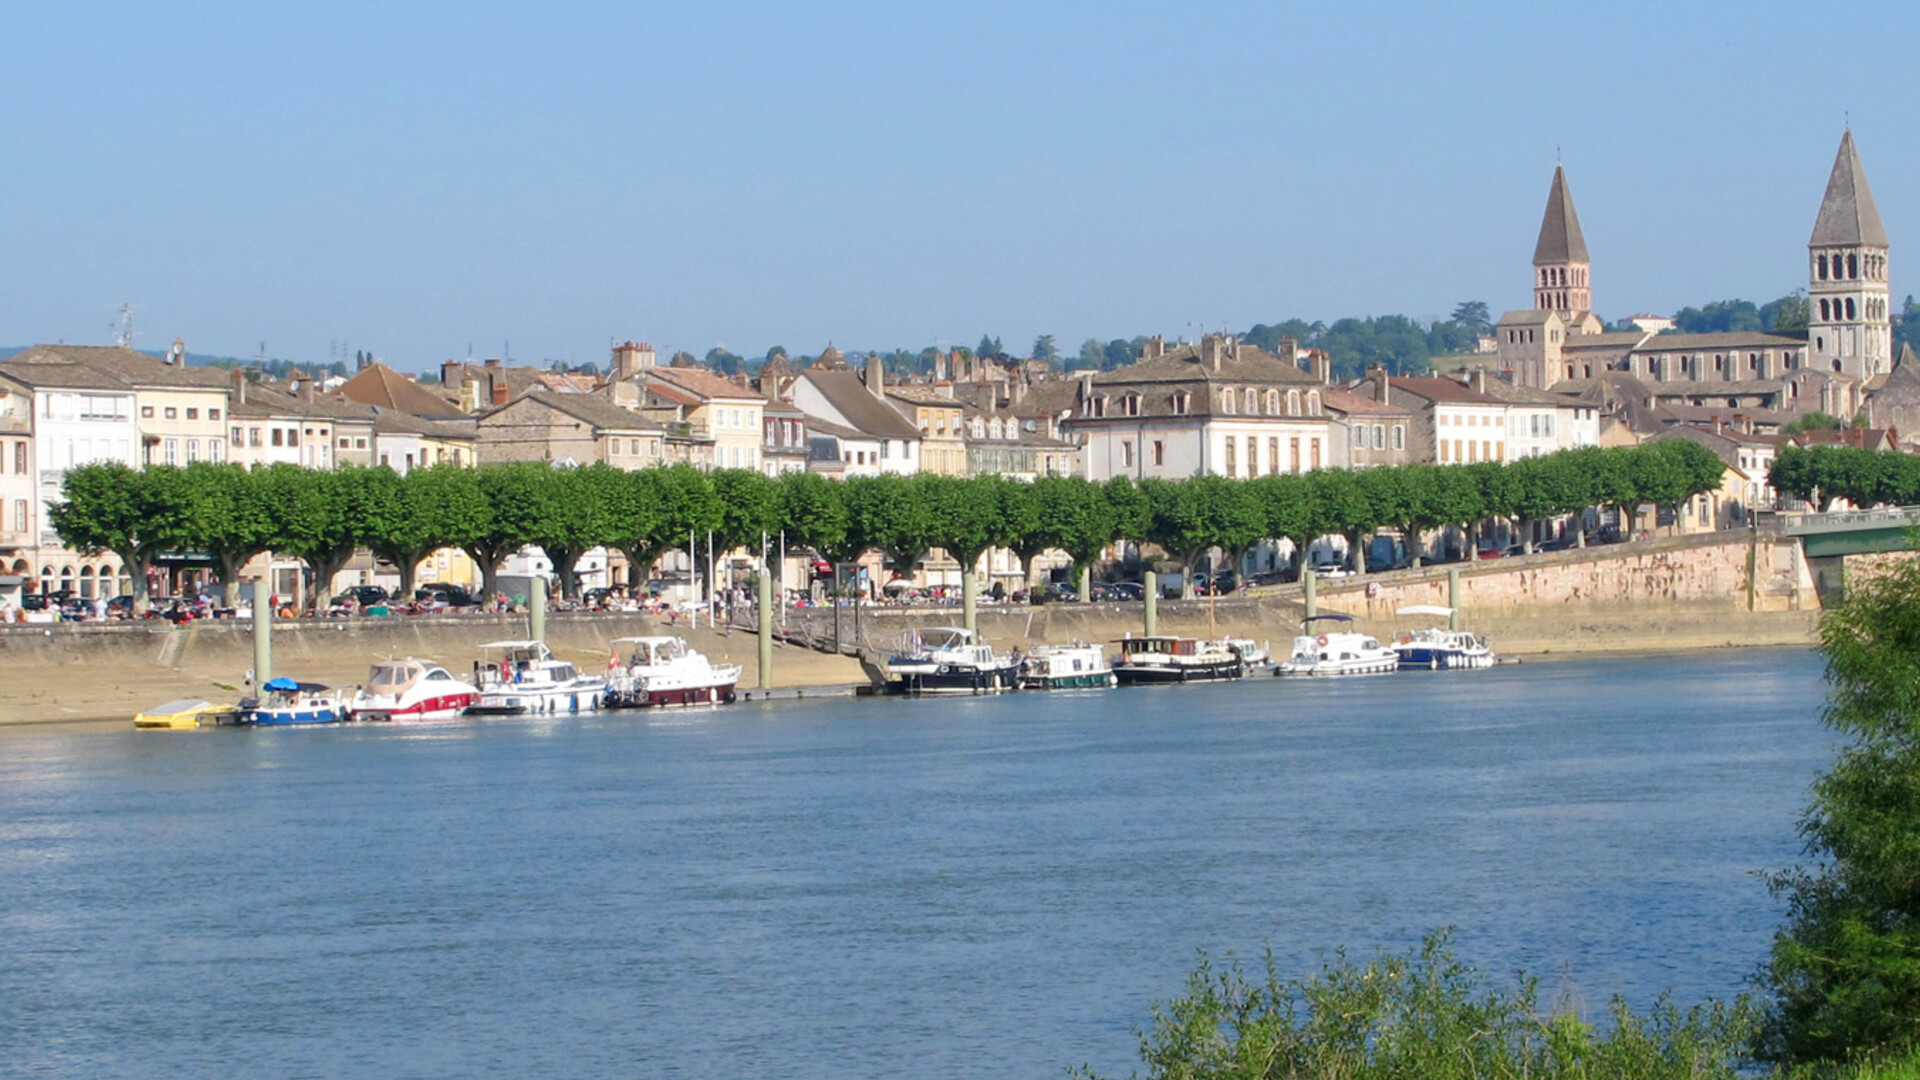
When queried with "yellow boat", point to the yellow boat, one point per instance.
{"points": [[187, 713]]}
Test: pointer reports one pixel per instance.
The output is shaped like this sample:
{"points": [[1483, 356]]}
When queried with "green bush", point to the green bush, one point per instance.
{"points": [[1421, 1016]]}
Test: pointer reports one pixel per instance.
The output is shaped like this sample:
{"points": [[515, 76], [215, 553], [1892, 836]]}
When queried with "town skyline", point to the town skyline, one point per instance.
{"points": [[436, 190]]}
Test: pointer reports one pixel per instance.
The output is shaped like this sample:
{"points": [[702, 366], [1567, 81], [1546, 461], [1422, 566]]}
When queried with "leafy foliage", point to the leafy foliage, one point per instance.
{"points": [[1423, 1015], [1845, 970]]}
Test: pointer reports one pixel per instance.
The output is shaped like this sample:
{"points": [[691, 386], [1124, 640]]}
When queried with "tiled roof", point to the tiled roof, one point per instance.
{"points": [[850, 398], [1742, 339], [1240, 363], [378, 384], [704, 383], [1440, 389], [586, 408], [137, 368], [1352, 404]]}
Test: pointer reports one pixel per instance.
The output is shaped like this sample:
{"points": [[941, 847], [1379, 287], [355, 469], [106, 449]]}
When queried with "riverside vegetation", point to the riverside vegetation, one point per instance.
{"points": [[322, 517], [1841, 990]]}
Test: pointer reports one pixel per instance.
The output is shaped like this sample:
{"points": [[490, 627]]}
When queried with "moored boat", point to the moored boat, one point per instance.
{"points": [[1167, 659], [525, 677], [1323, 650], [1253, 654], [186, 713], [1440, 648], [1066, 667], [409, 689], [290, 702], [664, 671], [950, 660]]}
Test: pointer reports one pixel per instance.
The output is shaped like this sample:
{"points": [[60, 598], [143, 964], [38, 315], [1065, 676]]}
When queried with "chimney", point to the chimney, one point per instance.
{"points": [[1377, 374], [877, 377], [239, 386], [1290, 351], [1478, 380], [450, 373], [1211, 351], [629, 357], [306, 389], [497, 387], [1155, 348]]}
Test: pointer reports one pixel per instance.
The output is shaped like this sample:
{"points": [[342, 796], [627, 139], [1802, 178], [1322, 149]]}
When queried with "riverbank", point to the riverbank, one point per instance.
{"points": [[97, 676]]}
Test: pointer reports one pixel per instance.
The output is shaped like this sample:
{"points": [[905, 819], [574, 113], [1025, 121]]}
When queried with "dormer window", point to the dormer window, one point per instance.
{"points": [[1227, 401], [1182, 403], [1252, 403], [1273, 403], [1313, 403], [1130, 405], [1293, 403], [1099, 409]]}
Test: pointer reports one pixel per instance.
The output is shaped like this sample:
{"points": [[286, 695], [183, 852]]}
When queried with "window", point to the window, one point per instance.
{"points": [[1226, 404], [1313, 403], [1293, 403], [1159, 452], [1273, 454], [343, 442], [1399, 437], [253, 437], [213, 414], [293, 436], [1230, 455], [1293, 452], [1252, 403], [20, 516], [1273, 403], [1359, 436], [276, 437], [213, 451], [172, 412], [146, 412], [1126, 453], [172, 447], [1379, 437], [193, 451], [193, 414], [20, 457], [1131, 405], [1182, 403], [1314, 445]]}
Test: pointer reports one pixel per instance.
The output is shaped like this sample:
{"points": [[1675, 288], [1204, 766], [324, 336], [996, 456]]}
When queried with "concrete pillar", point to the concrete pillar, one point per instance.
{"points": [[262, 636], [1310, 582], [1453, 598], [537, 609], [969, 591], [766, 629], [1153, 603]]}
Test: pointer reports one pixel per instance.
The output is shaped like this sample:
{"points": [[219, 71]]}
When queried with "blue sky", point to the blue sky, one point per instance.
{"points": [[413, 179]]}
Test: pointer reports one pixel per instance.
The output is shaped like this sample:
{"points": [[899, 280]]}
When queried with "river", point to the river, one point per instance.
{"points": [[993, 887]]}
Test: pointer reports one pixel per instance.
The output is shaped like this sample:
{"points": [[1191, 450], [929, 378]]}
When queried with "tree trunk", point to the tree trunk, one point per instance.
{"points": [[136, 567], [228, 574]]}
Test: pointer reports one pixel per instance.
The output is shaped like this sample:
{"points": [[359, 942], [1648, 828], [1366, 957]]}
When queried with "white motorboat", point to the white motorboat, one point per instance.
{"points": [[949, 660], [524, 677], [1166, 659], [664, 671], [1322, 650], [1439, 648], [288, 701], [1253, 654], [411, 689], [1066, 667]]}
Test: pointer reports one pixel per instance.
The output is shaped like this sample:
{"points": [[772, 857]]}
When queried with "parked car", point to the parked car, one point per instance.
{"points": [[1120, 590], [363, 595], [1061, 593], [443, 594], [120, 607]]}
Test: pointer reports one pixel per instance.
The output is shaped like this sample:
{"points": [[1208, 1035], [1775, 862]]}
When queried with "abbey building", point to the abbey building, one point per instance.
{"points": [[1560, 344]]}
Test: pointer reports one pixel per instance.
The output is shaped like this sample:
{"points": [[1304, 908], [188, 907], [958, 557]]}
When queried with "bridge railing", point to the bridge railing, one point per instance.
{"points": [[1853, 519]]}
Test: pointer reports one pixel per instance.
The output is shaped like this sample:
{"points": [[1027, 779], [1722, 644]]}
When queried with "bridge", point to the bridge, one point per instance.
{"points": [[1855, 532]]}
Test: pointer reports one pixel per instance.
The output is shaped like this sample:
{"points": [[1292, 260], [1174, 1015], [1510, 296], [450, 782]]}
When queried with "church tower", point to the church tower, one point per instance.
{"points": [[1850, 318], [1560, 263]]}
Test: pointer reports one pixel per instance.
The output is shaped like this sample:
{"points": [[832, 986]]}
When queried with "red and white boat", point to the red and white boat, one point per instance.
{"points": [[663, 671], [408, 689]]}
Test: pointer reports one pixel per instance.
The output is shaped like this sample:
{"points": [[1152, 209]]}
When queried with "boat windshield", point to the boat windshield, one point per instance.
{"points": [[393, 677]]}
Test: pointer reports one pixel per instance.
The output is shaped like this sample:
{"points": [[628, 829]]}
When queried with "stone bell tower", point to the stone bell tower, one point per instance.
{"points": [[1849, 320]]}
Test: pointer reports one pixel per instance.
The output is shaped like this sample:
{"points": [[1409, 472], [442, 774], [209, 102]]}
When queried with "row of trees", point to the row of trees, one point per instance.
{"points": [[1819, 475], [322, 518]]}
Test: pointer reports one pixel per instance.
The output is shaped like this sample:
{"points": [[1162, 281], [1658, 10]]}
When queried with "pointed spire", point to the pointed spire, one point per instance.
{"points": [[1560, 237], [1848, 217]]}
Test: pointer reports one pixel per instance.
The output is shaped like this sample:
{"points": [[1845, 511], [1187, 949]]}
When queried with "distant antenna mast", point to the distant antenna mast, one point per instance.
{"points": [[123, 327]]}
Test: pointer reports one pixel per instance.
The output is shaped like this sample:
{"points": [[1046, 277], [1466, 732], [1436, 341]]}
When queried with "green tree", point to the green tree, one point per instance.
{"points": [[887, 513], [1787, 315], [1473, 315], [573, 518], [440, 506], [813, 512], [1093, 356], [318, 517], [1845, 969], [967, 518], [1045, 349], [1073, 515], [750, 508], [515, 494], [229, 518], [136, 514], [989, 347]]}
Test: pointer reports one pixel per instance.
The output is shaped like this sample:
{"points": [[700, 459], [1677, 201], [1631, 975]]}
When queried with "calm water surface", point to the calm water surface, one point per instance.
{"points": [[986, 887]]}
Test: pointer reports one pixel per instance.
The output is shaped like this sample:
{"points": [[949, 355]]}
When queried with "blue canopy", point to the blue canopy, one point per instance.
{"points": [[281, 683]]}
